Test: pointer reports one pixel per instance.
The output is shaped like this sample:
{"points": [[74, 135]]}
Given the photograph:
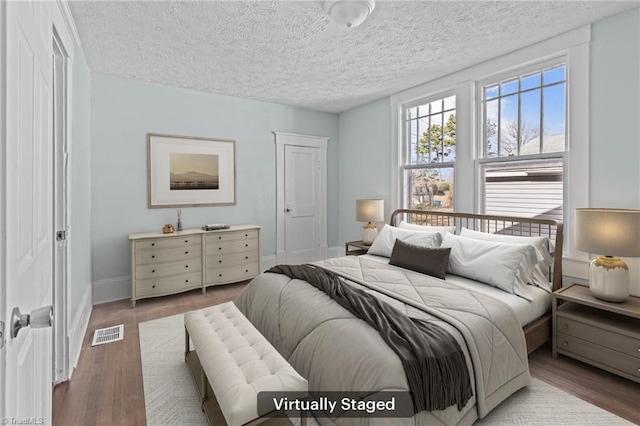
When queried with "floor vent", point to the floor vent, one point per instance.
{"points": [[108, 335]]}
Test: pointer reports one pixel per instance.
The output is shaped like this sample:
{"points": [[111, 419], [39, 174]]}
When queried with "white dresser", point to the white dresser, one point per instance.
{"points": [[163, 264]]}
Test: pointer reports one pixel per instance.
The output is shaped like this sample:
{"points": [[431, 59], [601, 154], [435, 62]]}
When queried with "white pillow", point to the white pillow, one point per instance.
{"points": [[423, 228], [505, 266], [540, 274], [383, 244]]}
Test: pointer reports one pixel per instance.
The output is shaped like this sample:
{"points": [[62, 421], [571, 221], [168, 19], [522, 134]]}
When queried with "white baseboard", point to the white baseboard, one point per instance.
{"points": [[78, 329], [111, 289]]}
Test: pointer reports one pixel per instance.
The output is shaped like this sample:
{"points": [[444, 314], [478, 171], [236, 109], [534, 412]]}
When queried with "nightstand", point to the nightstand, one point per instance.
{"points": [[600, 333], [360, 248]]}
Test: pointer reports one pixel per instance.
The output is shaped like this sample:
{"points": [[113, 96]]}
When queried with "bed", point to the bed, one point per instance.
{"points": [[336, 351]]}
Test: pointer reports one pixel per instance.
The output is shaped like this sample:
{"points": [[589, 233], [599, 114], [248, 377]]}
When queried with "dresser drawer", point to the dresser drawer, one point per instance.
{"points": [[162, 270], [168, 242], [157, 287], [168, 254], [598, 336], [219, 237], [217, 249], [607, 357], [231, 273], [231, 259]]}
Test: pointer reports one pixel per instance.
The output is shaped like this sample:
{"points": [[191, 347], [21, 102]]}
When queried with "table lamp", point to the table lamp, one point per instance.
{"points": [[611, 233], [369, 211]]}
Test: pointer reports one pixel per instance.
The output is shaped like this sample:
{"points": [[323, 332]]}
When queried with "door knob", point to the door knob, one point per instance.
{"points": [[38, 318], [288, 210]]}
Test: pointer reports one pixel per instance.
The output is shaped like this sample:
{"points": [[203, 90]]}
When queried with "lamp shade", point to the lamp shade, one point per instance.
{"points": [[370, 210], [610, 232]]}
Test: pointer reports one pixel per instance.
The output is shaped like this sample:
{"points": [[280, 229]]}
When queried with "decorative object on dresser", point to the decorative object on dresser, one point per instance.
{"points": [[163, 264], [185, 171], [600, 333], [369, 211], [612, 232]]}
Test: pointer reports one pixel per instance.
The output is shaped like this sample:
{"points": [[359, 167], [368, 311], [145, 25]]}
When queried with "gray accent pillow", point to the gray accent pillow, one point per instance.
{"points": [[430, 261]]}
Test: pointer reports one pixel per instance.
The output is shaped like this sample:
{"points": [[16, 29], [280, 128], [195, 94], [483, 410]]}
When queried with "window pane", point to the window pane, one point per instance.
{"points": [[436, 106], [413, 141], [530, 122], [491, 92], [491, 128], [529, 189], [435, 134], [555, 75], [412, 113], [509, 87], [530, 81], [508, 126], [449, 103], [424, 141], [553, 139], [423, 110], [431, 189], [449, 152]]}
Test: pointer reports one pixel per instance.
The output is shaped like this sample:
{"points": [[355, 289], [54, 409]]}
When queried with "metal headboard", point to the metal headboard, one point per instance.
{"points": [[506, 225]]}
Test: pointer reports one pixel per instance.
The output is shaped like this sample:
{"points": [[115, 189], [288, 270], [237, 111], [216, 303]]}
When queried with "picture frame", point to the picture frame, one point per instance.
{"points": [[189, 171]]}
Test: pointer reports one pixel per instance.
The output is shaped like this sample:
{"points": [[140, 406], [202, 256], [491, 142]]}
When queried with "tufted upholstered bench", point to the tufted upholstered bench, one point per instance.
{"points": [[232, 362]]}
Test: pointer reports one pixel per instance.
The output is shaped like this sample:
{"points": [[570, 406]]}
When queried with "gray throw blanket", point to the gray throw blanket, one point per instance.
{"points": [[433, 361]]}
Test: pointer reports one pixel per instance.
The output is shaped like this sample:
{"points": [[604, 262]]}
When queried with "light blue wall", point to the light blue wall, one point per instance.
{"points": [[124, 111], [365, 168], [615, 112], [80, 220]]}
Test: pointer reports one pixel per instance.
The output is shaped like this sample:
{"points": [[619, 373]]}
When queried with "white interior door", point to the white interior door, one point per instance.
{"points": [[27, 226], [301, 198], [302, 204]]}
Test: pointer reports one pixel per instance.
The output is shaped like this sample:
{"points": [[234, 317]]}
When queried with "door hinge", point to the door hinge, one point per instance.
{"points": [[61, 235], [1, 334]]}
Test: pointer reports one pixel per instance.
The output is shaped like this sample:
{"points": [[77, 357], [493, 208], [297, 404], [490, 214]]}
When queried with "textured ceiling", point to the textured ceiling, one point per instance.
{"points": [[290, 52]]}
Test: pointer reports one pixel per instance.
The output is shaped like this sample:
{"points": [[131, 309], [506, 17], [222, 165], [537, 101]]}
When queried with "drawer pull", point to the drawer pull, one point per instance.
{"points": [[153, 244], [246, 235], [219, 261], [219, 248], [247, 257], [186, 241], [153, 286], [219, 275], [565, 344], [186, 266], [246, 245], [186, 281], [246, 270], [153, 256], [219, 238], [153, 270], [566, 326], [186, 252]]}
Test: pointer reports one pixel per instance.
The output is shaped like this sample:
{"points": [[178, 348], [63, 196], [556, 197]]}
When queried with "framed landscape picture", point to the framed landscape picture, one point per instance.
{"points": [[185, 171]]}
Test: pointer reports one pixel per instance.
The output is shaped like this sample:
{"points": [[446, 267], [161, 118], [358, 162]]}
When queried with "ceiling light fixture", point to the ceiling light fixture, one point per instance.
{"points": [[349, 13]]}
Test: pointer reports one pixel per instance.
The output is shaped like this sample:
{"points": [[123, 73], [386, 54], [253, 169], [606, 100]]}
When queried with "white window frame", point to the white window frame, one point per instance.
{"points": [[405, 157], [573, 45]]}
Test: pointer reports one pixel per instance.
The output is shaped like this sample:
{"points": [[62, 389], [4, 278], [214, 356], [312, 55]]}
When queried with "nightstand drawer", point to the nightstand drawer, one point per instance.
{"points": [[591, 352], [598, 336]]}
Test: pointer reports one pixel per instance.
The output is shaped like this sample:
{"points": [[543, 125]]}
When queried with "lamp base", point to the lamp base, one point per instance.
{"points": [[609, 279], [369, 233]]}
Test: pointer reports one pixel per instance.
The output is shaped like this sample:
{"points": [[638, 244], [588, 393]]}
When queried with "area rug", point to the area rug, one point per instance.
{"points": [[171, 397]]}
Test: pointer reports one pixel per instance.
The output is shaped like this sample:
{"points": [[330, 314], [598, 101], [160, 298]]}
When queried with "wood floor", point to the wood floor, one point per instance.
{"points": [[106, 388]]}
